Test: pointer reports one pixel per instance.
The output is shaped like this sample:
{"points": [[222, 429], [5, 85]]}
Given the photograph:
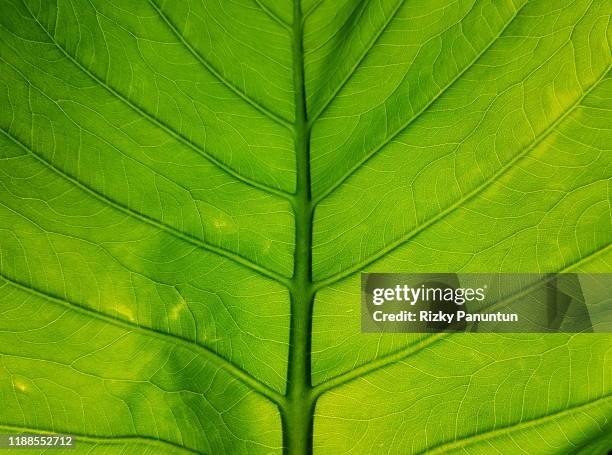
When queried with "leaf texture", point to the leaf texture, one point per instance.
{"points": [[189, 191]]}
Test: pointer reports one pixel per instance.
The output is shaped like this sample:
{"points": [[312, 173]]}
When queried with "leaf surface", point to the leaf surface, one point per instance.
{"points": [[189, 191]]}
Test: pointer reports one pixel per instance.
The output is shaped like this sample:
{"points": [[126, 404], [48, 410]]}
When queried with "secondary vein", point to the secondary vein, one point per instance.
{"points": [[176, 135], [466, 197], [331, 189], [413, 349], [237, 372], [234, 257], [261, 108]]}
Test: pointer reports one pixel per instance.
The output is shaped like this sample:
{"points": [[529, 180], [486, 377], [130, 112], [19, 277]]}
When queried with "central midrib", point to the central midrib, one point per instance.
{"points": [[297, 412]]}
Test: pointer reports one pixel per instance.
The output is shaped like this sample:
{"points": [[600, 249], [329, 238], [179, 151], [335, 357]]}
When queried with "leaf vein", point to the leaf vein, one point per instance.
{"points": [[367, 49], [273, 16], [498, 432], [264, 110], [234, 257], [237, 372], [423, 110], [421, 345], [160, 124], [467, 197]]}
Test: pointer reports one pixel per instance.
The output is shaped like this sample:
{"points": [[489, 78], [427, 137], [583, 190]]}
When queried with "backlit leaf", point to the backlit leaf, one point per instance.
{"points": [[189, 191]]}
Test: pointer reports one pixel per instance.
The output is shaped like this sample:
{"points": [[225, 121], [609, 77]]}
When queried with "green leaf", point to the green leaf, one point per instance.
{"points": [[189, 191]]}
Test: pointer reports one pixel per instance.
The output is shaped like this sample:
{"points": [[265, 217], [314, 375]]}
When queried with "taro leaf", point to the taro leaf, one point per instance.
{"points": [[189, 190]]}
